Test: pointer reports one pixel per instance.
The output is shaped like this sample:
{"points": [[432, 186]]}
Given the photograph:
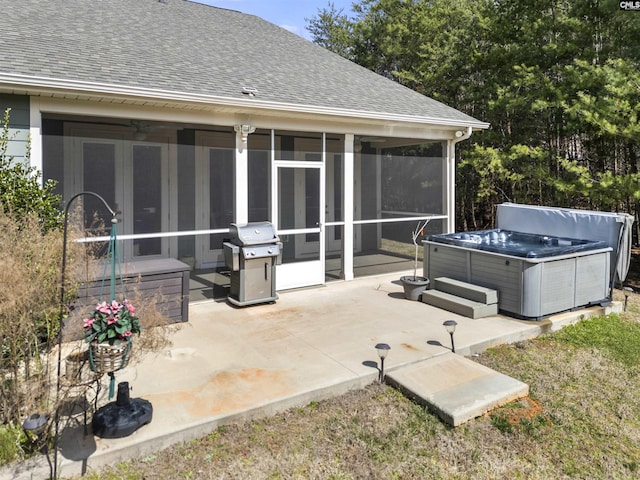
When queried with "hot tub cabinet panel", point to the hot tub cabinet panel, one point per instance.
{"points": [[530, 288], [555, 282], [453, 264], [587, 269], [501, 274]]}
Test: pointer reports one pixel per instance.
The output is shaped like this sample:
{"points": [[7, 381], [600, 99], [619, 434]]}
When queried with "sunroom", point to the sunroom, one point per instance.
{"points": [[343, 205]]}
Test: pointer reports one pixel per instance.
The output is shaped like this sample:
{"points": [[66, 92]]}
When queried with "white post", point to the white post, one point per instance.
{"points": [[35, 134], [451, 186], [347, 238], [242, 177], [460, 135]]}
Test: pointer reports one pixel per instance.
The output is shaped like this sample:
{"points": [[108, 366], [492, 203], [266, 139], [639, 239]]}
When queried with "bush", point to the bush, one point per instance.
{"points": [[30, 307], [20, 189], [29, 311], [30, 260]]}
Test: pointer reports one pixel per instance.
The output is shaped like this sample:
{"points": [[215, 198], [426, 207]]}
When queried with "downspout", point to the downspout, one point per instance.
{"points": [[451, 175]]}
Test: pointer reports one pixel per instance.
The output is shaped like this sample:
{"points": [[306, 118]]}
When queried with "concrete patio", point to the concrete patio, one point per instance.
{"points": [[233, 364]]}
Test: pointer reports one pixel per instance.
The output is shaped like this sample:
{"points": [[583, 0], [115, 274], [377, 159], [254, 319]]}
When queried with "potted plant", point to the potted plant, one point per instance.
{"points": [[108, 331], [415, 285]]}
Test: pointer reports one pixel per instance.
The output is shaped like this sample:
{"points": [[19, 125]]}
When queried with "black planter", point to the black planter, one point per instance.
{"points": [[414, 286]]}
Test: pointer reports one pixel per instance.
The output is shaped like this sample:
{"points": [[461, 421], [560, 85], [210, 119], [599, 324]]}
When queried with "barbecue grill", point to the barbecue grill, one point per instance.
{"points": [[251, 253]]}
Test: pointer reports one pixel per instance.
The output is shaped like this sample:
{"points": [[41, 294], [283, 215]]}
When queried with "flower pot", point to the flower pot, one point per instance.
{"points": [[105, 358], [78, 368], [414, 286]]}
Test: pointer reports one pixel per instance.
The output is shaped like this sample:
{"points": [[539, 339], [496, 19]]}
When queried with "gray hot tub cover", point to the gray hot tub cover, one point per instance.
{"points": [[613, 228]]}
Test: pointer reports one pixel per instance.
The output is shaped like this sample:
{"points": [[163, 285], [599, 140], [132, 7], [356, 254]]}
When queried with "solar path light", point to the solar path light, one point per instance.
{"points": [[626, 291], [383, 350], [450, 325]]}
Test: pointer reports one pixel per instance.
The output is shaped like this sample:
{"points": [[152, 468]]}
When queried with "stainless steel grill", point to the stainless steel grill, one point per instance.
{"points": [[251, 253]]}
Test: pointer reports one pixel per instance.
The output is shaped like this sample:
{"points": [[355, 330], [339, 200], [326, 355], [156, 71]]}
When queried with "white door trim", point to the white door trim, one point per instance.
{"points": [[304, 272]]}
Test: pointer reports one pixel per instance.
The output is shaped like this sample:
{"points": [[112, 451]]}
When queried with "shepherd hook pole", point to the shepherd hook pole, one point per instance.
{"points": [[61, 315]]}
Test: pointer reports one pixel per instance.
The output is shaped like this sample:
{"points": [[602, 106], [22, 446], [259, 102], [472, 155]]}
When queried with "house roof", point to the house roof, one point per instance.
{"points": [[179, 48]]}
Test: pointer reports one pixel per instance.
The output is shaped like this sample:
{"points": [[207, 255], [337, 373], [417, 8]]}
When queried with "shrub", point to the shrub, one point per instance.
{"points": [[29, 310], [20, 189], [29, 274], [30, 307], [30, 261]]}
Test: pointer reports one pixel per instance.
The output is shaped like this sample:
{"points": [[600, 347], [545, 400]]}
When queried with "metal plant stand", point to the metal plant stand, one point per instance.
{"points": [[113, 213]]}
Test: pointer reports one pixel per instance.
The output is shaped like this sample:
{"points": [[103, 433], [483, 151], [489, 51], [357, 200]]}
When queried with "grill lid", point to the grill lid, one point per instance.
{"points": [[253, 233]]}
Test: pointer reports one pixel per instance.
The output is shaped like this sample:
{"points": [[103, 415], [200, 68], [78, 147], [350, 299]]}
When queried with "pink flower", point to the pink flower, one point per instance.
{"points": [[115, 306], [103, 307], [88, 322], [112, 320], [126, 334], [130, 307]]}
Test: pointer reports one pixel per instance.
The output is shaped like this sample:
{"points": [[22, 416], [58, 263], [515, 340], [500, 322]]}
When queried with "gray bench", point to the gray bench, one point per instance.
{"points": [[165, 281]]}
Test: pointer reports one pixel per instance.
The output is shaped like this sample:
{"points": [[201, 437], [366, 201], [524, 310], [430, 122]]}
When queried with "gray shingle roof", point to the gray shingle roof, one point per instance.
{"points": [[182, 46]]}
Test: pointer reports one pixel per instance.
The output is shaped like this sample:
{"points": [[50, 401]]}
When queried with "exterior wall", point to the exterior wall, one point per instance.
{"points": [[18, 124]]}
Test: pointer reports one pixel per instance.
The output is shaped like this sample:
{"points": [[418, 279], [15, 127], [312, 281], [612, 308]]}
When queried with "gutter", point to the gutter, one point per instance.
{"points": [[451, 167], [56, 85], [460, 135]]}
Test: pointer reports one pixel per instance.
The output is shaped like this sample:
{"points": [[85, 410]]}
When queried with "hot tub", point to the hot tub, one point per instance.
{"points": [[518, 244], [535, 275]]}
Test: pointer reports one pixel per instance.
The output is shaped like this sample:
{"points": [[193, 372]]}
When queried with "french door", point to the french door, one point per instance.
{"points": [[131, 175], [215, 194]]}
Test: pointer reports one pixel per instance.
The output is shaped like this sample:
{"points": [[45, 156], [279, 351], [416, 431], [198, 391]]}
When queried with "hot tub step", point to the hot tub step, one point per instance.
{"points": [[466, 290], [459, 305]]}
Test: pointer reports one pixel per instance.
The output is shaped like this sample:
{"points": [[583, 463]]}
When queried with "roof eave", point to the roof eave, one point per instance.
{"points": [[56, 85]]}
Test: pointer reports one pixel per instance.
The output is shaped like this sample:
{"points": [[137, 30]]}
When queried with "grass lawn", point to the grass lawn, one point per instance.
{"points": [[582, 420]]}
